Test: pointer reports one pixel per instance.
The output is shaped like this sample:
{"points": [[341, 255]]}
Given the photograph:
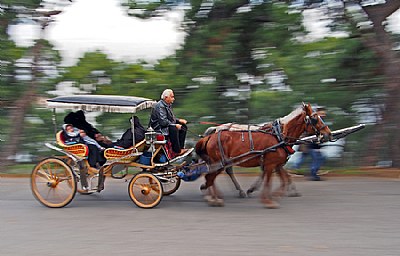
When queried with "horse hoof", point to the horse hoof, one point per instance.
{"points": [[250, 192], [242, 194], [218, 202], [207, 198], [294, 194], [271, 204], [278, 194]]}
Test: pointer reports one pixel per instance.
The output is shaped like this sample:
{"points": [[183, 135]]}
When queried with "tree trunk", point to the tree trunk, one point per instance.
{"points": [[382, 45], [17, 114]]}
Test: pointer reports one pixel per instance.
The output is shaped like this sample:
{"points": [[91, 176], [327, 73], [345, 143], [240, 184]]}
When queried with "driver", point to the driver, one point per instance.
{"points": [[163, 120]]}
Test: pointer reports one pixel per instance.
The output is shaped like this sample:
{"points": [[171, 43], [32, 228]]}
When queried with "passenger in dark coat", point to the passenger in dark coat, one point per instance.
{"points": [[126, 140], [78, 120]]}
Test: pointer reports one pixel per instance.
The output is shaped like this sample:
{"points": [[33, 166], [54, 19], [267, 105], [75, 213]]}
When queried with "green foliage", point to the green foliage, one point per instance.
{"points": [[91, 61], [204, 72]]}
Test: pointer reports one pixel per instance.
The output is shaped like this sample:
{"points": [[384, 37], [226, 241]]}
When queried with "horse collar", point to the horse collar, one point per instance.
{"points": [[276, 126]]}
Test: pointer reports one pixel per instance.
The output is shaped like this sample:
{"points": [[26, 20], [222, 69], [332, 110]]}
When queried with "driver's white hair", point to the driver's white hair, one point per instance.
{"points": [[166, 92]]}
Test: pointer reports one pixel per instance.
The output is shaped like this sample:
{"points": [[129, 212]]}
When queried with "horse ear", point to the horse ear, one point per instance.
{"points": [[308, 109], [304, 106]]}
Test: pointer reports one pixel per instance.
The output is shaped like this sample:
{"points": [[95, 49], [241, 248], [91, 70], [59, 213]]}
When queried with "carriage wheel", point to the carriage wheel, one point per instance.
{"points": [[171, 185], [53, 183], [145, 190]]}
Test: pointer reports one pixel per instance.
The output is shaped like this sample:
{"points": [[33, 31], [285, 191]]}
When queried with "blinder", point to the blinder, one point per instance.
{"points": [[310, 120], [313, 121]]}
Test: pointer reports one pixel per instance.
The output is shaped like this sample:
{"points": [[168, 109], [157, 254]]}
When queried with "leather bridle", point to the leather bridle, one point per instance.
{"points": [[313, 121]]}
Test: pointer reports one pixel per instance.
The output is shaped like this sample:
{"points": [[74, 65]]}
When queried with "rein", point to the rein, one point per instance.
{"points": [[247, 156], [276, 131]]}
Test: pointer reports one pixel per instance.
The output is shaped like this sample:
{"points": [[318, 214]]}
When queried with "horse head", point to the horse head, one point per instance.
{"points": [[315, 124]]}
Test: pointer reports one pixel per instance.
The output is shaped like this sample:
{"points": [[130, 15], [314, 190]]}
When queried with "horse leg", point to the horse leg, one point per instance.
{"points": [[256, 185], [206, 186], [229, 171], [218, 199], [291, 187], [213, 197], [287, 186], [266, 198], [284, 178]]}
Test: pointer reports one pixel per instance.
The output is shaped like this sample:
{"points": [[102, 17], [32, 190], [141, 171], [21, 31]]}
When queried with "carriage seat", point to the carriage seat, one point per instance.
{"points": [[125, 154], [78, 149]]}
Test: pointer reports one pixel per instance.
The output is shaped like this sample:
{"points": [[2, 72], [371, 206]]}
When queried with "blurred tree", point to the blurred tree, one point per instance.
{"points": [[242, 61], [27, 91], [381, 42], [368, 20], [229, 38]]}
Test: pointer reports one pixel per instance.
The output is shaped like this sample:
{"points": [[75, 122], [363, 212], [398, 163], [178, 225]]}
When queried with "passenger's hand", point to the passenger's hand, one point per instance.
{"points": [[178, 126], [182, 121]]}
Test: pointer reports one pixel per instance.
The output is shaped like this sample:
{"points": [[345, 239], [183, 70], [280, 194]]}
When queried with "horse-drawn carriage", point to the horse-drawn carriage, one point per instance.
{"points": [[55, 180]]}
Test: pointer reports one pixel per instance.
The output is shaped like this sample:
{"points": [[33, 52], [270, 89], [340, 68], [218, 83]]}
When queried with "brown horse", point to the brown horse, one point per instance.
{"points": [[265, 147], [287, 187]]}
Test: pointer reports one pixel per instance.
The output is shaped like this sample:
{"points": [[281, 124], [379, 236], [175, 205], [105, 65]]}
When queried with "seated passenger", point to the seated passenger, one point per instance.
{"points": [[78, 120], [72, 136], [126, 140], [89, 140]]}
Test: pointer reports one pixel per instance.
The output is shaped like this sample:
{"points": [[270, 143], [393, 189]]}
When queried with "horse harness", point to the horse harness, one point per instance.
{"points": [[310, 120], [276, 130]]}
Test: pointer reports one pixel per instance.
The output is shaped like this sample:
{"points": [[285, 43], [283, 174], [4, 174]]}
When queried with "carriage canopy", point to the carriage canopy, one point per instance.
{"points": [[101, 103]]}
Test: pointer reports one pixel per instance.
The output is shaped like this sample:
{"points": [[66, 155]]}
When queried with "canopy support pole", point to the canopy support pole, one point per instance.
{"points": [[54, 120], [133, 130]]}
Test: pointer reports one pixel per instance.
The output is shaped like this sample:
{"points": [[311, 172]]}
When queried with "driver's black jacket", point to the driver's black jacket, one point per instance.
{"points": [[162, 117]]}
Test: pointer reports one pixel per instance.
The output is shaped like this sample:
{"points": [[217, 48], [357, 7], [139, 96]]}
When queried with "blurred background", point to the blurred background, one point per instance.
{"points": [[227, 61]]}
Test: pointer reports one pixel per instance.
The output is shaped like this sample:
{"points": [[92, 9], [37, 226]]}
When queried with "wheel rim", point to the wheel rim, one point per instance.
{"points": [[53, 183], [170, 186], [145, 190]]}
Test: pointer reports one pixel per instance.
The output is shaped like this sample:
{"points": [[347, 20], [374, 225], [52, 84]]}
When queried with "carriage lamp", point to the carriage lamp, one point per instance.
{"points": [[150, 136]]}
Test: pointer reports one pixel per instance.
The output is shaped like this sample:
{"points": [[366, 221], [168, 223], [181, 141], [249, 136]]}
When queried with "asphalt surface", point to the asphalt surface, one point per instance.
{"points": [[338, 216]]}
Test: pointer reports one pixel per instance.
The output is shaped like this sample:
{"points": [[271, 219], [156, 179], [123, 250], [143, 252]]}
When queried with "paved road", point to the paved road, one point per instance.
{"points": [[346, 217]]}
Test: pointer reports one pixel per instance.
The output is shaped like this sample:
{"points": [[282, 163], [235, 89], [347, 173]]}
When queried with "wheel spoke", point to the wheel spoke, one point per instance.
{"points": [[53, 183], [43, 174], [145, 190]]}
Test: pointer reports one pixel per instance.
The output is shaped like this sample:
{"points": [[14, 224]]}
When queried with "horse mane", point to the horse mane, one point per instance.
{"points": [[295, 113], [288, 118]]}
